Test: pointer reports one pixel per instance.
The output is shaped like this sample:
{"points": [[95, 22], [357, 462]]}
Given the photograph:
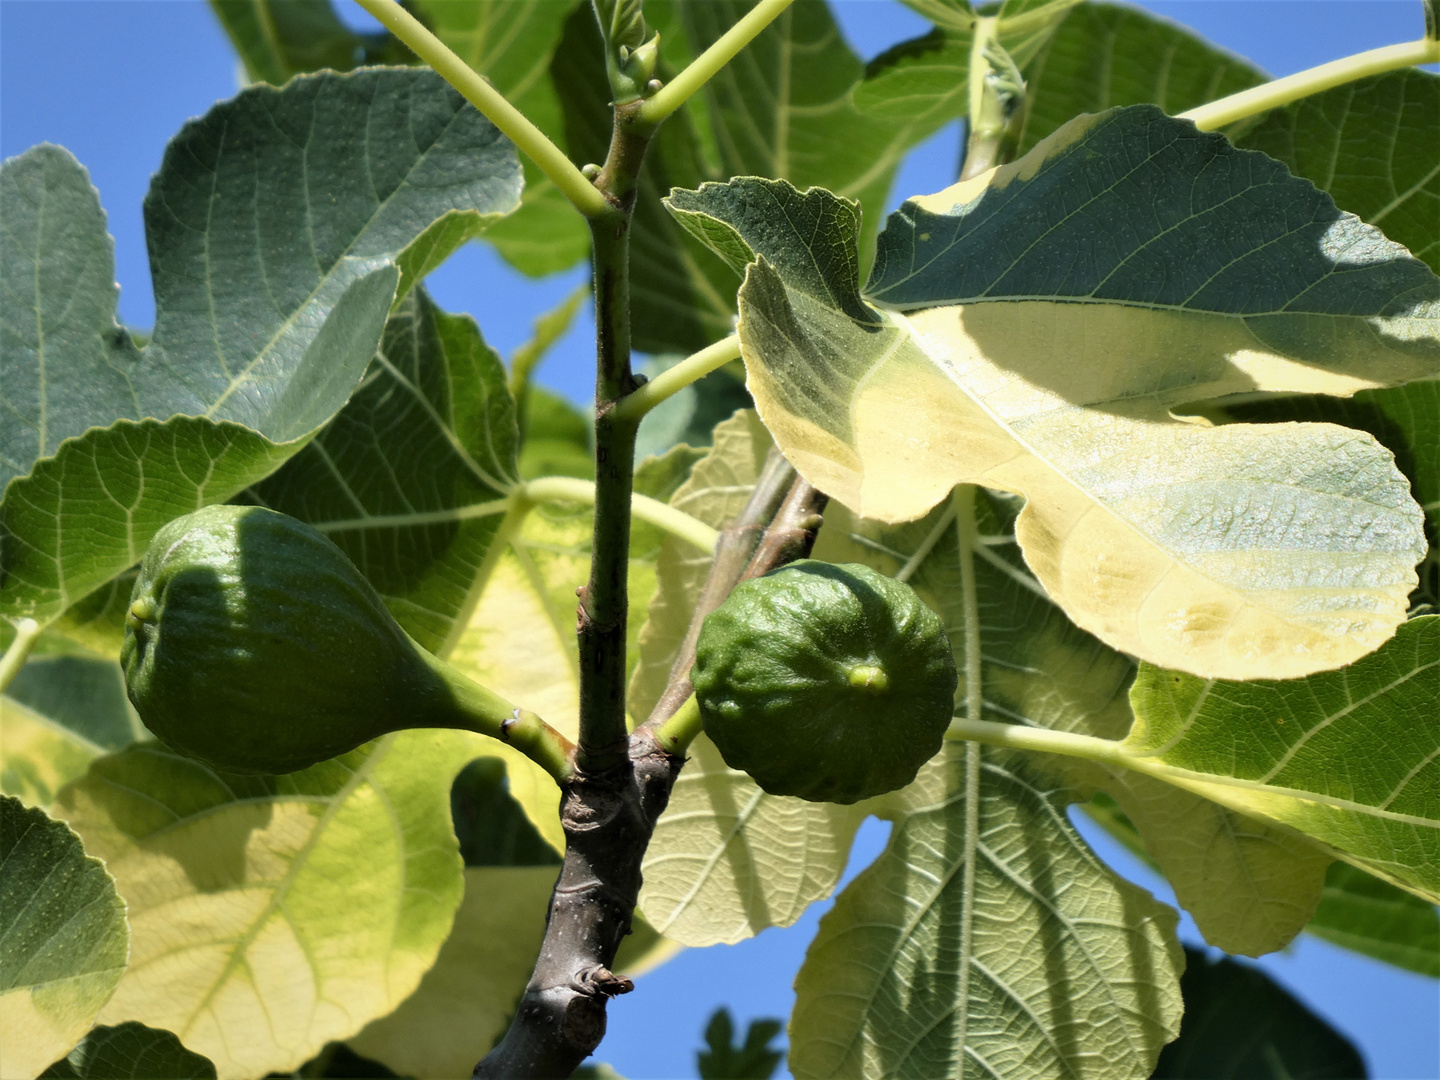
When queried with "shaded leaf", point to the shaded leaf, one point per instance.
{"points": [[410, 478], [246, 891], [1002, 942], [1361, 912], [131, 1051], [749, 1060], [1132, 521], [1242, 1025], [63, 938], [492, 827], [1348, 758], [557, 438], [277, 39], [1104, 55], [265, 320], [465, 1000]]}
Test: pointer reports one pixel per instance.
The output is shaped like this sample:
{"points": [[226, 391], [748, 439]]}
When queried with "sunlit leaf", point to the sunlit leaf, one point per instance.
{"points": [[1105, 55], [1242, 1025], [409, 479], [63, 939], [271, 289], [1348, 758], [130, 1051], [1251, 887], [257, 934], [994, 943], [464, 1002], [1040, 324]]}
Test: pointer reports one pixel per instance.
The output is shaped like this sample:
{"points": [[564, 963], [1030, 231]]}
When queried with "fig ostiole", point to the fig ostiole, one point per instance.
{"points": [[827, 681], [254, 644]]}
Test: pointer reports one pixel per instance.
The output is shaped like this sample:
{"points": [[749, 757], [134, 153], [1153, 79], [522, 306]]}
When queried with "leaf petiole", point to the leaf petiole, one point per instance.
{"points": [[530, 139], [27, 632], [692, 369], [1272, 95], [653, 511], [677, 733], [703, 68]]}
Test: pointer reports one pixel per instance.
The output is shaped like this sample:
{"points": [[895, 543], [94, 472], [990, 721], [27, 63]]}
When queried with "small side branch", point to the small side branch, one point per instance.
{"points": [[27, 632], [524, 134], [1272, 95]]}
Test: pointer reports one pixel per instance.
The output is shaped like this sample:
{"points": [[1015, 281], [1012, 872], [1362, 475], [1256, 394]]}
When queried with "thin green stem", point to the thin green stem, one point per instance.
{"points": [[676, 734], [962, 499], [692, 369], [27, 632], [1044, 740], [1272, 95], [484, 712], [524, 134], [675, 522], [703, 68]]}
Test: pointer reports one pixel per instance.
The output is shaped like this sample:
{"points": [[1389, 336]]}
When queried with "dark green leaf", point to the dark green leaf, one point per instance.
{"points": [[409, 479], [752, 1059], [557, 438], [1371, 144], [63, 938], [1361, 912], [83, 695], [492, 828], [277, 39], [1241, 1025], [131, 1051], [1105, 55]]}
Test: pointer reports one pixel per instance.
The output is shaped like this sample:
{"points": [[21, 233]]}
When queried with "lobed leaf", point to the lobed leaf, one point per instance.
{"points": [[1041, 326], [271, 290], [410, 478], [987, 939], [63, 938], [1347, 758], [245, 891]]}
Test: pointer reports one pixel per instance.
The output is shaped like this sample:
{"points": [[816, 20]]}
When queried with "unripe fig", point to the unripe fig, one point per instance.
{"points": [[830, 682], [254, 644]]}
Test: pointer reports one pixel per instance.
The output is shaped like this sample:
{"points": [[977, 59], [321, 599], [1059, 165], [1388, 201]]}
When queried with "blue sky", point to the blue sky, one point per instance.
{"points": [[112, 80]]}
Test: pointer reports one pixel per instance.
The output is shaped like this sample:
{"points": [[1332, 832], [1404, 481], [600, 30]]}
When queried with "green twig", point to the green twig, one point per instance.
{"points": [[663, 516], [27, 632], [524, 134], [1272, 95], [703, 68], [692, 369], [676, 734]]}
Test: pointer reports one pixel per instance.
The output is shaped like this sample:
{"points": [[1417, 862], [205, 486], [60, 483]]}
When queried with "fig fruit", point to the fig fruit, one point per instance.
{"points": [[827, 681], [254, 644]]}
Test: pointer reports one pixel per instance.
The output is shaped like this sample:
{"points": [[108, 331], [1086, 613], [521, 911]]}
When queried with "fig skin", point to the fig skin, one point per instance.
{"points": [[255, 645], [827, 681]]}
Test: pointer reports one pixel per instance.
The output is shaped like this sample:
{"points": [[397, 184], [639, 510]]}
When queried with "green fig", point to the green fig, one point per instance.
{"points": [[830, 682], [254, 644]]}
